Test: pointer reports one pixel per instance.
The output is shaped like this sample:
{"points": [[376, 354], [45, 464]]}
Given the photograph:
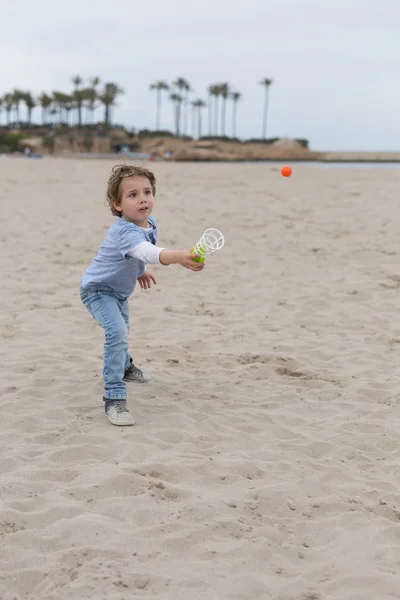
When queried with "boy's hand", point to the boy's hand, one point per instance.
{"points": [[187, 260], [145, 280]]}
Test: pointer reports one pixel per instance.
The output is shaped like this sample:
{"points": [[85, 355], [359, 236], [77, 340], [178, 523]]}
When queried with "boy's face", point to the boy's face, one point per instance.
{"points": [[136, 199]]}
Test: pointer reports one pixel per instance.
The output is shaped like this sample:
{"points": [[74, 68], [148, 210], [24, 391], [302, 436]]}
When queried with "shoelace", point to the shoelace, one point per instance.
{"points": [[135, 370], [119, 406]]}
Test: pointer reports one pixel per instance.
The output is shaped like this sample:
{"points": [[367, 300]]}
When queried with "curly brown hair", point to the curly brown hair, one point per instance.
{"points": [[120, 172]]}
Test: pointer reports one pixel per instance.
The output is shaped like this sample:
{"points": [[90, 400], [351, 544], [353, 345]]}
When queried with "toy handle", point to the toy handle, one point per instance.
{"points": [[199, 250]]}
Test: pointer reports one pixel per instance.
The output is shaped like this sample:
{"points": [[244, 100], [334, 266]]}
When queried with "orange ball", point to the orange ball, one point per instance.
{"points": [[286, 171]]}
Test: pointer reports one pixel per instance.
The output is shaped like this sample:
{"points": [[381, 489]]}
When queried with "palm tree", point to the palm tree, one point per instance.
{"points": [[17, 97], [94, 82], [235, 96], [53, 113], [199, 104], [188, 89], [159, 86], [68, 105], [215, 91], [224, 92], [77, 81], [177, 101], [30, 104], [57, 104], [45, 102], [210, 107], [92, 96], [183, 86], [8, 103], [266, 83], [108, 97], [77, 96], [194, 115]]}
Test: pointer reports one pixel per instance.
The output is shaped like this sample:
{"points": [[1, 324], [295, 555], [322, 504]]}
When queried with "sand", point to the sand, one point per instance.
{"points": [[265, 459]]}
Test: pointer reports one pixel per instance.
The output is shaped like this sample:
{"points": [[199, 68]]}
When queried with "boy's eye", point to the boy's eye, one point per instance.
{"points": [[148, 192], [132, 195]]}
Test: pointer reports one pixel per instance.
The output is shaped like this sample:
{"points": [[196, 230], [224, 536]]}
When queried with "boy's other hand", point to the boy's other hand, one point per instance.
{"points": [[145, 280]]}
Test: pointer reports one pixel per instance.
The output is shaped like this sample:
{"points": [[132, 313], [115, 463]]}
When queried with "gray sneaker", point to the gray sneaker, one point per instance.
{"points": [[117, 412], [133, 374]]}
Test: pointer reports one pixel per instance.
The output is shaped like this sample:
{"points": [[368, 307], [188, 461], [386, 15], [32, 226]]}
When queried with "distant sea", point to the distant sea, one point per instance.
{"points": [[338, 165]]}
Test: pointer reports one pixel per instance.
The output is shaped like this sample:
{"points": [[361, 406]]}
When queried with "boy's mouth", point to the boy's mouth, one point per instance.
{"points": [[143, 209]]}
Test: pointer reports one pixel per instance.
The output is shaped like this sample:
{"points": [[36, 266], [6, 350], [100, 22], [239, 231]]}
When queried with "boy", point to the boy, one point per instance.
{"points": [[121, 261]]}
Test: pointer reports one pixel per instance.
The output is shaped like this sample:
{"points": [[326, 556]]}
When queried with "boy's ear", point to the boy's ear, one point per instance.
{"points": [[116, 205]]}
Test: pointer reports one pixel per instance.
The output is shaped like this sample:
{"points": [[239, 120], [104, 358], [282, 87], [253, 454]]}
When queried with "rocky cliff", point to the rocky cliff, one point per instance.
{"points": [[199, 150]]}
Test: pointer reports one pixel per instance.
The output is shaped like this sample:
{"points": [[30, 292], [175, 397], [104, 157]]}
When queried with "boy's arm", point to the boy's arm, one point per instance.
{"points": [[150, 254], [147, 253]]}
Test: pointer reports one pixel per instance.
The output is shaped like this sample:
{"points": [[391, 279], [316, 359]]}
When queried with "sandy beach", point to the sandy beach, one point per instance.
{"points": [[264, 464]]}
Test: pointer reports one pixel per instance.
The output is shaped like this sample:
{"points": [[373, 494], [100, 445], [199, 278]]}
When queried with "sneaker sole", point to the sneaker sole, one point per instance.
{"points": [[119, 424]]}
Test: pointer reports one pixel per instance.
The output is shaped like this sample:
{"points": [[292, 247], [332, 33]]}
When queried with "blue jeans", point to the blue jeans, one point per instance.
{"points": [[112, 314]]}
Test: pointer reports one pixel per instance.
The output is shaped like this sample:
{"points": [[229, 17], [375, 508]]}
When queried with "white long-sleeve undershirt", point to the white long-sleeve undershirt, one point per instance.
{"points": [[146, 252]]}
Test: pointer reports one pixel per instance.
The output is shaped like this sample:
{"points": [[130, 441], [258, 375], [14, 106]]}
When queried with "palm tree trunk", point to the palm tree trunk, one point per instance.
{"points": [[265, 115], [158, 110], [223, 116], [210, 115], [186, 113], [234, 114], [193, 122], [216, 116], [199, 123], [177, 118]]}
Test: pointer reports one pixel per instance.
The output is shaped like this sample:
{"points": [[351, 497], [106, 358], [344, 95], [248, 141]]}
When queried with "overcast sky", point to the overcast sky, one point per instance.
{"points": [[335, 63]]}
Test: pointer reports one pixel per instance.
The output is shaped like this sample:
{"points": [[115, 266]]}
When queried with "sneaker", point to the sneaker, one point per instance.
{"points": [[133, 374], [117, 412]]}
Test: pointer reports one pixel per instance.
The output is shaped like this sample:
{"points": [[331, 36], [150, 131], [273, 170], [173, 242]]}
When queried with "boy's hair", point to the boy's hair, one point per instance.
{"points": [[120, 172]]}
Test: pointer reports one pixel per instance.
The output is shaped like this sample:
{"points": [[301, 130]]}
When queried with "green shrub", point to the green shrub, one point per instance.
{"points": [[10, 142], [219, 138], [144, 133], [303, 142]]}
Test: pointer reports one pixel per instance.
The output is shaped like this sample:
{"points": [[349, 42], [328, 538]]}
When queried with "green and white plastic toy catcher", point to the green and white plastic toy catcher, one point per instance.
{"points": [[210, 241]]}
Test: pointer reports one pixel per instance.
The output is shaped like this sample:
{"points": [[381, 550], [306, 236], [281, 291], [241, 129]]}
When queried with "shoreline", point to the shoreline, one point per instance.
{"points": [[133, 156]]}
